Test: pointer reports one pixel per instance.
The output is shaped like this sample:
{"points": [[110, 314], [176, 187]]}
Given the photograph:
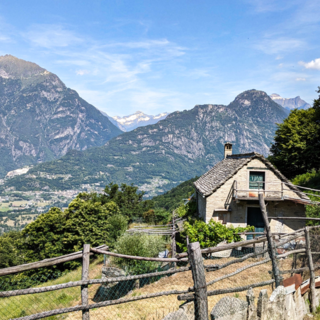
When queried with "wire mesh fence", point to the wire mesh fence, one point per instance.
{"points": [[29, 304], [237, 269]]}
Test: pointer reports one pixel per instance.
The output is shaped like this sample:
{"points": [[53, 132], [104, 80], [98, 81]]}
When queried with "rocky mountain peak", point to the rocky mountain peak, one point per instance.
{"points": [[247, 97], [257, 104], [14, 68], [41, 119], [290, 103]]}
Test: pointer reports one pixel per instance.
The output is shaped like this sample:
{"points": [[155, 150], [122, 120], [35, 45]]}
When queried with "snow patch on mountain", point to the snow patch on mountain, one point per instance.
{"points": [[138, 119], [290, 103]]}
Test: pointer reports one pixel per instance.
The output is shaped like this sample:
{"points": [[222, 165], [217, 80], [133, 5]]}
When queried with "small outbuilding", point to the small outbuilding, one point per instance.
{"points": [[228, 193]]}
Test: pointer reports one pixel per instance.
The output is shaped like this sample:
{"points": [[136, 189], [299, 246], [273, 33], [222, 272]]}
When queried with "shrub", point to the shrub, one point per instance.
{"points": [[138, 244], [118, 225], [209, 234], [157, 216]]}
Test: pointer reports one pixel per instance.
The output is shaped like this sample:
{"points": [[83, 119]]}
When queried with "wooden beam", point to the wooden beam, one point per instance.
{"points": [[45, 262], [225, 247], [311, 268], [224, 291], [272, 248], [4, 294], [294, 218], [84, 277], [199, 279], [136, 257], [98, 305], [245, 243]]}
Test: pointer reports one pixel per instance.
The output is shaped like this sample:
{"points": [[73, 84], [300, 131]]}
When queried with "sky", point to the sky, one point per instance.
{"points": [[161, 56]]}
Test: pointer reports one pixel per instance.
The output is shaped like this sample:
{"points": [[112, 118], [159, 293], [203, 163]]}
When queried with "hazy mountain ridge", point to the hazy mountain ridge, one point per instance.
{"points": [[158, 157], [41, 119], [290, 103], [138, 119]]}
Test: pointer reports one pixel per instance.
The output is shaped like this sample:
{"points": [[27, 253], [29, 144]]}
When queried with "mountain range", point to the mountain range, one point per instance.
{"points": [[133, 121], [41, 119], [290, 103], [158, 157]]}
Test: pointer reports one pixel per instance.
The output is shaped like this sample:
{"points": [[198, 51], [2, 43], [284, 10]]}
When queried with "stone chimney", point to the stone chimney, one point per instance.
{"points": [[227, 149]]}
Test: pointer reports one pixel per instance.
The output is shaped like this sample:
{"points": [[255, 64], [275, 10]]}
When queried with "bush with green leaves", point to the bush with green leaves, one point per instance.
{"points": [[157, 216], [188, 210], [118, 225], [138, 244], [209, 234]]}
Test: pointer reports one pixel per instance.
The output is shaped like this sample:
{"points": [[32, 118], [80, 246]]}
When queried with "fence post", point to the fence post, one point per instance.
{"points": [[199, 279], [312, 277], [272, 249], [173, 239], [85, 276]]}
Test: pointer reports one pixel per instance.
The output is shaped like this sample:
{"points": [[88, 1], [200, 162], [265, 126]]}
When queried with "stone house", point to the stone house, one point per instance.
{"points": [[228, 193]]}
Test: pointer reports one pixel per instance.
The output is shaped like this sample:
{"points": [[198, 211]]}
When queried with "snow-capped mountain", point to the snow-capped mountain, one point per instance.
{"points": [[290, 103], [138, 119]]}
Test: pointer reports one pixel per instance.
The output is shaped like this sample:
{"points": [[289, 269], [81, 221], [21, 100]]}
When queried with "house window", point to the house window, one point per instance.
{"points": [[256, 180]]}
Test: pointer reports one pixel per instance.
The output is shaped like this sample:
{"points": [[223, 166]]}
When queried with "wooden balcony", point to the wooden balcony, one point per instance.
{"points": [[272, 191]]}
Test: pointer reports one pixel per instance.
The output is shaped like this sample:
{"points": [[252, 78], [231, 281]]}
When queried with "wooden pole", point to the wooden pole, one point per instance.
{"points": [[271, 245], [85, 276], [173, 239], [199, 279], [311, 268], [45, 262]]}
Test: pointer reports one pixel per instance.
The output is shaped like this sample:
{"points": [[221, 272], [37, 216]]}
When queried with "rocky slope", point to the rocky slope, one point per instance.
{"points": [[160, 156], [138, 119], [290, 103], [41, 119]]}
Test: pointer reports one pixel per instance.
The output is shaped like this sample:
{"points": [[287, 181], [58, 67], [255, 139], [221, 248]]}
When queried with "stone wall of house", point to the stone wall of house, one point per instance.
{"points": [[238, 214], [201, 206]]}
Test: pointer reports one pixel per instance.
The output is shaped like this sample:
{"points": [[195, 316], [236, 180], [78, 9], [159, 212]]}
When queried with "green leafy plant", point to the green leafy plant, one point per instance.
{"points": [[209, 234], [157, 216], [138, 245]]}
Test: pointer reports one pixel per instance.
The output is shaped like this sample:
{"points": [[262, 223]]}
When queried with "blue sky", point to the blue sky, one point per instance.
{"points": [[155, 56]]}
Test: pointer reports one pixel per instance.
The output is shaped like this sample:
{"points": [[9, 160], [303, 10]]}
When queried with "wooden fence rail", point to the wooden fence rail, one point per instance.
{"points": [[45, 262], [79, 283]]}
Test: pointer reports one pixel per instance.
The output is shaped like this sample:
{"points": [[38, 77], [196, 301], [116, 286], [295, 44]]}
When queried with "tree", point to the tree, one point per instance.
{"points": [[296, 149], [59, 232], [9, 252], [128, 199]]}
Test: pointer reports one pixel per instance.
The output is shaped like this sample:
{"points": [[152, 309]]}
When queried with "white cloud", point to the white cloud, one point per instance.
{"points": [[300, 79], [82, 72], [277, 45], [51, 36], [313, 64], [4, 38]]}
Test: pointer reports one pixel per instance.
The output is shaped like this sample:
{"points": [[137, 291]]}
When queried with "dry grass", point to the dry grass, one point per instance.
{"points": [[157, 308]]}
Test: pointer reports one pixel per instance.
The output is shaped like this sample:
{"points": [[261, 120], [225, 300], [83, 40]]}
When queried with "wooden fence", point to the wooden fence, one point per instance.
{"points": [[197, 293]]}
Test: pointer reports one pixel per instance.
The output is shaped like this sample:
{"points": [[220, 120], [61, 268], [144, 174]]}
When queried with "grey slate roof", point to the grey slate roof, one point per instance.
{"points": [[227, 168]]}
